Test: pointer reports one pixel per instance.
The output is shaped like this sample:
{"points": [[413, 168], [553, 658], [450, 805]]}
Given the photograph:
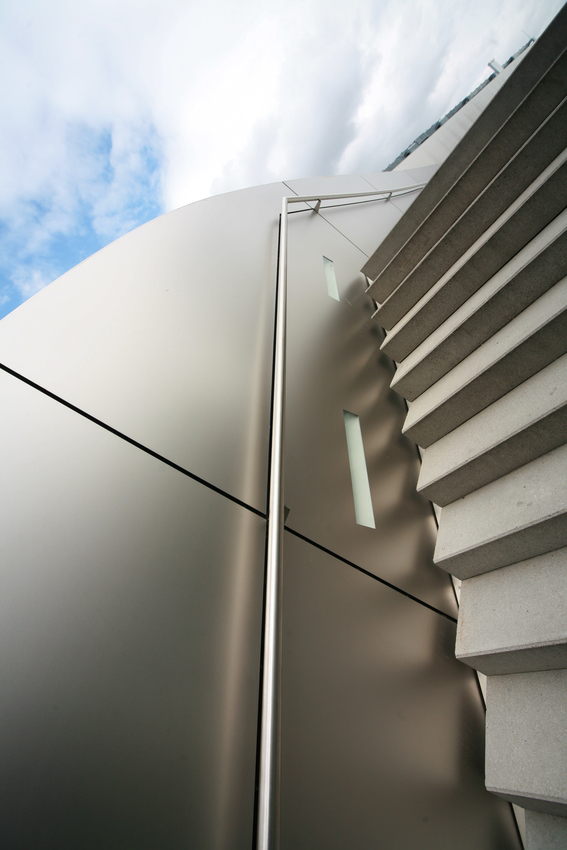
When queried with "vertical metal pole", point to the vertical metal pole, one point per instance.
{"points": [[268, 790], [269, 735]]}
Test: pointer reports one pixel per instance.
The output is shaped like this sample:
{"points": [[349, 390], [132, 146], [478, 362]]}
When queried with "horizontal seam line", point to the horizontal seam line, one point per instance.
{"points": [[369, 574], [130, 440]]}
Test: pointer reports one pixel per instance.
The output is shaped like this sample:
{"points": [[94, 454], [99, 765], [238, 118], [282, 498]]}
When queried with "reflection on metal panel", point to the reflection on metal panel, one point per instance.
{"points": [[382, 730], [130, 642], [334, 364], [166, 335]]}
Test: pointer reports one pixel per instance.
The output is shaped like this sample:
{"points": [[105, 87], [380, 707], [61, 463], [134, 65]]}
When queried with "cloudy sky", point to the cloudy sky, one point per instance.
{"points": [[114, 111]]}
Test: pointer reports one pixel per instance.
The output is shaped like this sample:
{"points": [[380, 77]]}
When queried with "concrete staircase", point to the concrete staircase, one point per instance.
{"points": [[471, 289]]}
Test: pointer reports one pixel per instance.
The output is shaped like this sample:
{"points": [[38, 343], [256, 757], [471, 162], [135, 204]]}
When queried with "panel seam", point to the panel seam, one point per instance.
{"points": [[177, 467], [368, 573]]}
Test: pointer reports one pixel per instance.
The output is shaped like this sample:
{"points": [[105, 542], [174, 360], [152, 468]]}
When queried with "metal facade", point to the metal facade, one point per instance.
{"points": [[135, 443]]}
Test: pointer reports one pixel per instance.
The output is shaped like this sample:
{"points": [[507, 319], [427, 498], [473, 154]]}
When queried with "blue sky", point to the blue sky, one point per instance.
{"points": [[114, 112]]}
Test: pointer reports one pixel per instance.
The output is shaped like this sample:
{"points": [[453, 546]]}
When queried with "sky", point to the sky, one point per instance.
{"points": [[115, 111]]}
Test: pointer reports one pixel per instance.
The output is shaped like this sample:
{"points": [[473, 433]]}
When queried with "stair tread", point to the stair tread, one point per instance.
{"points": [[524, 346], [526, 748], [520, 515], [532, 210], [527, 422], [521, 281], [529, 631]]}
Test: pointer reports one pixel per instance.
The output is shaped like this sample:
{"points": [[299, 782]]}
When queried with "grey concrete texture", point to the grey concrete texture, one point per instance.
{"points": [[527, 74], [533, 209], [524, 346], [524, 424], [537, 267], [526, 744], [545, 832], [484, 192], [442, 301], [520, 515], [512, 620]]}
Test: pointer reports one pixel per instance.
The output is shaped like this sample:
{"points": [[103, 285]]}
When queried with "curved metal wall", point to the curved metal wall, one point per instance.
{"points": [[130, 633], [131, 592], [135, 436]]}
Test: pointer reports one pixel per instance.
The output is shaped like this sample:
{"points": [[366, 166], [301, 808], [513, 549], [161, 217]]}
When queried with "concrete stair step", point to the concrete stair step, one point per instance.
{"points": [[548, 48], [512, 620], [532, 210], [506, 167], [519, 516], [545, 832], [437, 306], [524, 346], [526, 746], [444, 299], [524, 424], [537, 267]]}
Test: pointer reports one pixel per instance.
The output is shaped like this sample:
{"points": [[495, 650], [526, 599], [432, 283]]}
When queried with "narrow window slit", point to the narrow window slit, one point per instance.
{"points": [[363, 510], [331, 278]]}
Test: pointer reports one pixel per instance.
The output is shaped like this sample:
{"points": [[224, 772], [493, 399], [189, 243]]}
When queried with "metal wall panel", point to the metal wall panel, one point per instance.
{"points": [[334, 364], [367, 224], [132, 595], [332, 185], [382, 730], [130, 643], [401, 176], [421, 175], [377, 217], [166, 335]]}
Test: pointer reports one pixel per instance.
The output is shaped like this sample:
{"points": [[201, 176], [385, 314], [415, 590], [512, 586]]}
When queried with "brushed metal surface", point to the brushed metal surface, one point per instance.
{"points": [[401, 176], [166, 335], [419, 174], [129, 642], [334, 364], [382, 730], [366, 225], [369, 228]]}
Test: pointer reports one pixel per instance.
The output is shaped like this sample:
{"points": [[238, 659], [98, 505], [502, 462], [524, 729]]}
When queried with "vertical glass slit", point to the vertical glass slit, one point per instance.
{"points": [[331, 278], [363, 510]]}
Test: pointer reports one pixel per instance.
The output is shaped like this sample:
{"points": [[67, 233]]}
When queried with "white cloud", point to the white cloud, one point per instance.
{"points": [[31, 282], [113, 109]]}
